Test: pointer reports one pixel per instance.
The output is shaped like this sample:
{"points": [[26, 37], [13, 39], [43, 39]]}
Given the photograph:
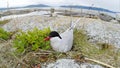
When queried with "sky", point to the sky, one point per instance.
{"points": [[113, 5]]}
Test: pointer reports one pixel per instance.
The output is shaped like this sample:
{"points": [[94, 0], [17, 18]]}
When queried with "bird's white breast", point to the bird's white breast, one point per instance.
{"points": [[64, 44]]}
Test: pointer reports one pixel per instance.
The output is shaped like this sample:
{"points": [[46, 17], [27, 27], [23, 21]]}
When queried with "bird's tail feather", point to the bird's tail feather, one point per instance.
{"points": [[73, 24]]}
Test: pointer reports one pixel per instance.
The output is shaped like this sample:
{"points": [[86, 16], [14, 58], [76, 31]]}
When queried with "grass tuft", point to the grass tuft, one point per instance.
{"points": [[4, 22], [4, 35], [102, 51]]}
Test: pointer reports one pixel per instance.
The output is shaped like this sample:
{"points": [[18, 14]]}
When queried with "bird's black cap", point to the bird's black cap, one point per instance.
{"points": [[54, 34]]}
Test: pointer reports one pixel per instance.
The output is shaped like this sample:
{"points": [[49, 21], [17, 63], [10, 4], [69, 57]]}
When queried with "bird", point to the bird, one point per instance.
{"points": [[61, 42]]}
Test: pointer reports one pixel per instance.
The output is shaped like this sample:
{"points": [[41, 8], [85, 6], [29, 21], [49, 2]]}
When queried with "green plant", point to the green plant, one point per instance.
{"points": [[4, 22], [4, 35], [31, 40]]}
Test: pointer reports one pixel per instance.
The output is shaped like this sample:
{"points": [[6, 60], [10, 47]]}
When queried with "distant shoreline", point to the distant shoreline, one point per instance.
{"points": [[63, 6]]}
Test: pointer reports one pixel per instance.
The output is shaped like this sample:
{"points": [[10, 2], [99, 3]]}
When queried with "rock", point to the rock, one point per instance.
{"points": [[40, 22], [70, 63], [87, 65], [105, 17], [104, 32]]}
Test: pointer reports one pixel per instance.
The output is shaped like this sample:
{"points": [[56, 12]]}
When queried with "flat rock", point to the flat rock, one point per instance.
{"points": [[70, 63]]}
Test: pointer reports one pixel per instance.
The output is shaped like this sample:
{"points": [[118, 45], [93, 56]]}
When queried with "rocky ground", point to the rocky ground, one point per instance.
{"points": [[97, 30]]}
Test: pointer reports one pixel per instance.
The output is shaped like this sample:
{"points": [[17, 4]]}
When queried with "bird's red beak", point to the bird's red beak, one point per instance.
{"points": [[47, 38]]}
